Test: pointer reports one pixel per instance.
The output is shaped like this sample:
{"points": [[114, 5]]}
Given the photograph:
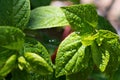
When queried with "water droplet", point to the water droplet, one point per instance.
{"points": [[77, 32], [51, 41]]}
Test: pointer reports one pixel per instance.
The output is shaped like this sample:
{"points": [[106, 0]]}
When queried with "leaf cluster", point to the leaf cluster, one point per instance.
{"points": [[93, 43]]}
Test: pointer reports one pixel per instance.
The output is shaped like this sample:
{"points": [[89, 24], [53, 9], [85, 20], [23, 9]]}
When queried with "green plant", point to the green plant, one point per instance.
{"points": [[92, 46]]}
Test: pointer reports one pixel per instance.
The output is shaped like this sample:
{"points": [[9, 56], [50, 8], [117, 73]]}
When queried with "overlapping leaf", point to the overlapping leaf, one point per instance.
{"points": [[8, 65], [106, 51], [111, 42], [38, 49], [100, 56], [14, 13], [4, 55], [34, 46], [38, 64], [11, 38], [82, 18], [72, 56], [47, 17]]}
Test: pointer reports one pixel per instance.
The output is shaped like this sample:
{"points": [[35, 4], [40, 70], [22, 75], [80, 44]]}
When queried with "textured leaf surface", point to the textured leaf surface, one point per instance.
{"points": [[11, 38], [100, 56], [38, 63], [83, 74], [72, 56], [14, 13], [82, 18], [47, 17], [105, 51], [4, 55], [34, 46], [110, 39], [8, 66], [111, 42], [38, 49]]}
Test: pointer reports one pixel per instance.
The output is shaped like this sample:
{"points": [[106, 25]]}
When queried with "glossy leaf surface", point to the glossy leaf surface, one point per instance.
{"points": [[38, 63], [47, 17]]}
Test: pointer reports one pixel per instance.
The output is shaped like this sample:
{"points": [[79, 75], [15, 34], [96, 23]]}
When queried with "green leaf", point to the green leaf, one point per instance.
{"points": [[36, 47], [105, 24], [72, 56], [14, 13], [100, 56], [23, 64], [38, 63], [110, 39], [11, 38], [47, 17], [4, 55], [32, 45], [82, 18], [37, 3], [83, 74], [8, 66], [111, 42], [105, 51], [20, 75]]}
